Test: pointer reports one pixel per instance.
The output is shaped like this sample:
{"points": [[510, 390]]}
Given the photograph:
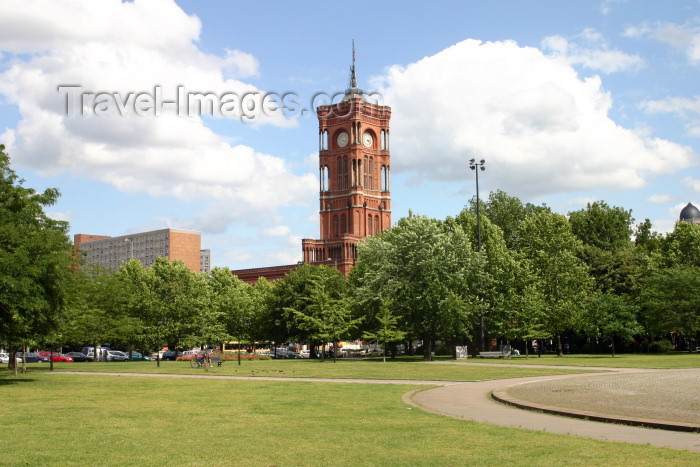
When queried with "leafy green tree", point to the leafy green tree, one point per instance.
{"points": [[295, 311], [428, 273], [230, 311], [646, 238], [682, 246], [504, 280], [324, 315], [96, 313], [34, 261], [614, 317], [508, 213], [174, 302], [260, 299], [387, 330], [563, 282], [602, 226], [670, 301], [608, 251]]}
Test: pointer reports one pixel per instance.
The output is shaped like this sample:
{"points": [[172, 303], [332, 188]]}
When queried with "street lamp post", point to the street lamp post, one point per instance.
{"points": [[476, 166]]}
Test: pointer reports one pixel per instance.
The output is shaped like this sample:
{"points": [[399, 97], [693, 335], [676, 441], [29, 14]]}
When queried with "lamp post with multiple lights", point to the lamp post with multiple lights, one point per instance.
{"points": [[476, 166]]}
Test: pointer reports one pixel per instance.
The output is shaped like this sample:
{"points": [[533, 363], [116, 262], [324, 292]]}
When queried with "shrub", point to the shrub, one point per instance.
{"points": [[662, 346]]}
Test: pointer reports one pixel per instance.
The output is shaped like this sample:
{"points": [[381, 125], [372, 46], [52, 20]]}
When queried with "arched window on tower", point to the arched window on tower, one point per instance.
{"points": [[354, 172], [324, 144], [335, 226], [382, 139], [340, 173], [343, 224], [345, 171], [365, 173], [369, 224], [383, 178], [376, 225], [325, 178], [371, 175]]}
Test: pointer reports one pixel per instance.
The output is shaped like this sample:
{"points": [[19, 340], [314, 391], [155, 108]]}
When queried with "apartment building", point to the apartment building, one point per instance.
{"points": [[111, 252]]}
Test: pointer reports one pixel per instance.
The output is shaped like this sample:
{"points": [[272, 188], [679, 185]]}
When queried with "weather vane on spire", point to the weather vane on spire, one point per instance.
{"points": [[353, 91], [353, 77]]}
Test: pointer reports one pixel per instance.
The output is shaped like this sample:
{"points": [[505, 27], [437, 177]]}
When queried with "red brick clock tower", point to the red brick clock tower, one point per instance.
{"points": [[354, 169]]}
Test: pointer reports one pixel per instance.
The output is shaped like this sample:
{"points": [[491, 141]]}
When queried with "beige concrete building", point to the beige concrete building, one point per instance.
{"points": [[111, 252]]}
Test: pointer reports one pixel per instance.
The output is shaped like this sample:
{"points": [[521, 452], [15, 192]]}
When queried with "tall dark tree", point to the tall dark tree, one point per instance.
{"points": [[605, 232], [563, 282], [670, 301], [613, 318], [605, 227], [35, 255], [97, 312], [508, 213]]}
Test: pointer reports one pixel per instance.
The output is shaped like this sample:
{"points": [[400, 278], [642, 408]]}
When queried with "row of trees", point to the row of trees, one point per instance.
{"points": [[538, 275]]}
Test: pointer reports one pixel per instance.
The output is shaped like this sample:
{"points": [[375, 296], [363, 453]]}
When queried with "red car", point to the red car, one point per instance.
{"points": [[57, 357]]}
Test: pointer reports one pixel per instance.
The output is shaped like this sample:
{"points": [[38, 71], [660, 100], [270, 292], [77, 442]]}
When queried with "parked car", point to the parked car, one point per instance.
{"points": [[117, 356], [4, 358], [305, 354], [137, 355], [56, 356], [31, 357], [168, 355], [78, 357]]}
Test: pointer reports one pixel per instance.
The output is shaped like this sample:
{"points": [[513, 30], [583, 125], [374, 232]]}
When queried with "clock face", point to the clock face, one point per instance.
{"points": [[367, 139], [342, 139]]}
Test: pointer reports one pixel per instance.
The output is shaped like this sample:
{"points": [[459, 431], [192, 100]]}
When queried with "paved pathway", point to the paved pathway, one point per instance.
{"points": [[472, 400]]}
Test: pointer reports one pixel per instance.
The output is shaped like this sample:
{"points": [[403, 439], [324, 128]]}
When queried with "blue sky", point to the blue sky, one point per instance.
{"points": [[568, 102]]}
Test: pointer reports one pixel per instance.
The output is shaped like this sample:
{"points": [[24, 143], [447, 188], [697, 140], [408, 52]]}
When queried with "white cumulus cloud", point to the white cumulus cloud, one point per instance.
{"points": [[659, 198], [688, 109], [541, 128], [122, 49], [684, 37], [594, 54]]}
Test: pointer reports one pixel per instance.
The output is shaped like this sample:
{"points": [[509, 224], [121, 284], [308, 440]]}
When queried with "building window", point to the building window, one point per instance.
{"points": [[335, 226], [343, 224]]}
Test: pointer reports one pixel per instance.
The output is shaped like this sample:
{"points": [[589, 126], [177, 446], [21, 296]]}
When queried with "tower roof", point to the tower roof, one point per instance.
{"points": [[690, 212], [353, 91]]}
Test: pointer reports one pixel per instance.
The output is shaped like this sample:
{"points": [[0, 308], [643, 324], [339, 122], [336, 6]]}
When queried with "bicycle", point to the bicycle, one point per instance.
{"points": [[198, 361]]}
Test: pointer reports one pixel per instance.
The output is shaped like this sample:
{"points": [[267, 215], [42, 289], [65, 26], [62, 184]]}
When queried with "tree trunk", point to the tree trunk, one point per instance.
{"points": [[527, 353], [12, 364], [384, 354], [24, 358], [559, 349], [612, 346]]}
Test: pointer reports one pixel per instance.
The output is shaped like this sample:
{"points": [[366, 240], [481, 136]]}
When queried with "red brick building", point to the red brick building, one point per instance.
{"points": [[354, 168], [354, 189]]}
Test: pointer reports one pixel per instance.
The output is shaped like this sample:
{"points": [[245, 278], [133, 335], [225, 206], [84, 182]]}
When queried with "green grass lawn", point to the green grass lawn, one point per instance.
{"points": [[662, 361], [67, 419], [321, 369]]}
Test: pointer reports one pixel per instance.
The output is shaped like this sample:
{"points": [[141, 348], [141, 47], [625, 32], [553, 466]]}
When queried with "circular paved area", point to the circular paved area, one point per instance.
{"points": [[669, 395], [473, 401]]}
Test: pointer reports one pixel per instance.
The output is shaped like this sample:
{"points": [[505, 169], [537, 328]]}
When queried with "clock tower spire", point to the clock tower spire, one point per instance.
{"points": [[354, 170]]}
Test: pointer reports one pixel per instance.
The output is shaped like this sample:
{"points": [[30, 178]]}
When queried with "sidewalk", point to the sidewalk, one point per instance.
{"points": [[472, 401]]}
